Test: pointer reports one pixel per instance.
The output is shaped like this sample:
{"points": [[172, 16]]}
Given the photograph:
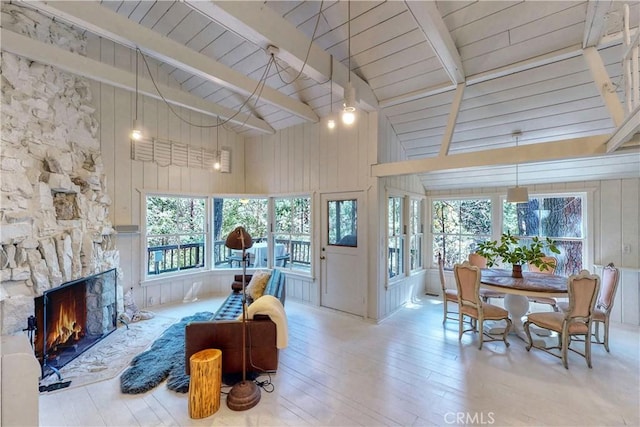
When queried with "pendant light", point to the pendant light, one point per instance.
{"points": [[216, 164], [136, 131], [349, 104], [517, 194]]}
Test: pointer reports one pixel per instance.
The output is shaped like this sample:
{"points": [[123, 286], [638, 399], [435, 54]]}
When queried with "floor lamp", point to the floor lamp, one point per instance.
{"points": [[245, 394]]}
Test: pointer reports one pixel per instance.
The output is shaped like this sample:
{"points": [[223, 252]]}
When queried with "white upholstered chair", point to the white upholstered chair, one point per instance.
{"points": [[575, 322]]}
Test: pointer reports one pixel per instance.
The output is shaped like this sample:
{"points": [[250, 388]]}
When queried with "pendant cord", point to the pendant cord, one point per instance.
{"points": [[349, 35], [331, 84], [136, 84]]}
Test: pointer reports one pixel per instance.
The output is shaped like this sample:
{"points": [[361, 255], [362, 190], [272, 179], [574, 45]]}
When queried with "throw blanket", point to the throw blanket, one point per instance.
{"points": [[272, 307]]}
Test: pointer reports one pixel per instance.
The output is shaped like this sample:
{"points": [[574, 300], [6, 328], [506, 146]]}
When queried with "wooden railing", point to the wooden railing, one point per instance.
{"points": [[167, 258]]}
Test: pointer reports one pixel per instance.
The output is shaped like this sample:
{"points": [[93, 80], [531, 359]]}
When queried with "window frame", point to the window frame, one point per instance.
{"points": [[400, 238], [145, 254], [419, 233], [271, 262], [497, 220]]}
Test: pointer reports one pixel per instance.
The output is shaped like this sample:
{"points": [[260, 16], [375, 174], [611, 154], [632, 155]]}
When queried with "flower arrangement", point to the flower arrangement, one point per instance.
{"points": [[511, 250]]}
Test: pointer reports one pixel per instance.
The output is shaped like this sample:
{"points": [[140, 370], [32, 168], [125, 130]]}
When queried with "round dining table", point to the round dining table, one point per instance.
{"points": [[517, 291]]}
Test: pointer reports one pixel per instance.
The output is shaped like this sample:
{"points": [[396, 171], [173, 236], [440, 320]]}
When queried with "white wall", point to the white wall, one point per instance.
{"points": [[613, 215]]}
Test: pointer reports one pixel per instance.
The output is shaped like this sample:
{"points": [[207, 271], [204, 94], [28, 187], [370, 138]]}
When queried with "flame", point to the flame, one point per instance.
{"points": [[64, 326]]}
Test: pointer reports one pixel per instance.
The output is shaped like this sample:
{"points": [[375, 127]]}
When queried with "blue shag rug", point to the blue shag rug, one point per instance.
{"points": [[163, 360]]}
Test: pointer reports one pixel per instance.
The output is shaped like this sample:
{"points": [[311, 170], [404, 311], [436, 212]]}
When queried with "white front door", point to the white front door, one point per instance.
{"points": [[343, 261]]}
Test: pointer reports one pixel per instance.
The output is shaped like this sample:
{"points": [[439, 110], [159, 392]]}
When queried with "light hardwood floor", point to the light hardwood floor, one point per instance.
{"points": [[408, 370]]}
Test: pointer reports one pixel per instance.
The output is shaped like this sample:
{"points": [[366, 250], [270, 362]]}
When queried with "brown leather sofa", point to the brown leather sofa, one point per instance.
{"points": [[224, 332]]}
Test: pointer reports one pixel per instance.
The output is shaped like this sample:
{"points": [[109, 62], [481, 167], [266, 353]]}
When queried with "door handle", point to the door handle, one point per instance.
{"points": [[322, 257]]}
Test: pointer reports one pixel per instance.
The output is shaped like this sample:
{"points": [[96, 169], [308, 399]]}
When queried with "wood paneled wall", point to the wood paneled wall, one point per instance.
{"points": [[613, 235], [128, 179]]}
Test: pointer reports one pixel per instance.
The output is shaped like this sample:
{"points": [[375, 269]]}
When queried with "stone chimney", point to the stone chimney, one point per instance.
{"points": [[54, 224]]}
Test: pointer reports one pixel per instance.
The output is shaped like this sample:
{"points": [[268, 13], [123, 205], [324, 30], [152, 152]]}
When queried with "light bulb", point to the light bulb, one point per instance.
{"points": [[331, 124], [216, 165], [136, 132], [348, 116]]}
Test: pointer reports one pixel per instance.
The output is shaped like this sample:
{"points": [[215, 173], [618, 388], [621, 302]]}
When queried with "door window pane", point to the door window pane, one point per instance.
{"points": [[343, 222]]}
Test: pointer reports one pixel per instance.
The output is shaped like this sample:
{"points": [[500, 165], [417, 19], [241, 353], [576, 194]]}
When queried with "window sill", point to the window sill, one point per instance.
{"points": [[152, 281]]}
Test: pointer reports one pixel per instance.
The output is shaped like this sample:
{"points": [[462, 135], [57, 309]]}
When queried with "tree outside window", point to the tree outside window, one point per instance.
{"points": [[395, 230], [558, 218], [415, 234], [176, 233], [292, 233], [458, 226]]}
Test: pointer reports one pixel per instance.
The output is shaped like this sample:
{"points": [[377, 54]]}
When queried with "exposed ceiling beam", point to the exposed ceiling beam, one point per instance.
{"points": [[626, 131], [429, 20], [596, 22], [557, 150], [108, 24], [451, 122], [98, 71], [606, 89], [260, 25]]}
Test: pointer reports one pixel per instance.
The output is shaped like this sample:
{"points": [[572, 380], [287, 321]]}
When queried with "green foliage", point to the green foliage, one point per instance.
{"points": [[512, 251]]}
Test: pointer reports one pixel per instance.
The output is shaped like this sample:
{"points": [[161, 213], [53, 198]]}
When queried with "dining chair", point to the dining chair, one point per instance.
{"points": [[604, 303], [448, 295], [551, 269], [470, 304], [575, 322], [481, 262]]}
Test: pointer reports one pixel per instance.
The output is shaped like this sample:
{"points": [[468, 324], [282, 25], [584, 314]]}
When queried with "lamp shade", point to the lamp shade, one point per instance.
{"points": [[239, 239], [517, 194]]}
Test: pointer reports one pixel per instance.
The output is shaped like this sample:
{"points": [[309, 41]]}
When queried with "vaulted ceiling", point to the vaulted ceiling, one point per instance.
{"points": [[455, 79]]}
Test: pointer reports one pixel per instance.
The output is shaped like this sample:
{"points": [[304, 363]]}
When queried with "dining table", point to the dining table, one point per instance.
{"points": [[257, 254], [517, 291]]}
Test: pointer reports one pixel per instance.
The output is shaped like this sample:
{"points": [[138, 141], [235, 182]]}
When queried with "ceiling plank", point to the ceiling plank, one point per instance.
{"points": [[603, 83], [596, 22], [453, 118], [105, 23], [257, 23], [571, 148], [430, 21], [101, 72]]}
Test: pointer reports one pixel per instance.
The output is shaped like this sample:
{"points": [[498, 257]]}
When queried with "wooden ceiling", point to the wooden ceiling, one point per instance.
{"points": [[452, 77]]}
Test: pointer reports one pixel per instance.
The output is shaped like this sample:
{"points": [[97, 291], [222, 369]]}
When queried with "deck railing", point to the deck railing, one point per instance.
{"points": [[167, 258]]}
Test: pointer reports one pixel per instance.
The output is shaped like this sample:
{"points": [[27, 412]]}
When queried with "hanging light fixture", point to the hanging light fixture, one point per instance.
{"points": [[136, 131], [517, 194], [216, 163], [349, 104], [331, 123]]}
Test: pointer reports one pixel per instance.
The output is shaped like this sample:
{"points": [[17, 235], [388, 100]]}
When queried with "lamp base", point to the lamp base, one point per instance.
{"points": [[243, 395]]}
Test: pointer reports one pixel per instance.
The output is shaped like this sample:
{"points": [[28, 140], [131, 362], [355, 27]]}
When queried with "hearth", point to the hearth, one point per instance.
{"points": [[73, 317]]}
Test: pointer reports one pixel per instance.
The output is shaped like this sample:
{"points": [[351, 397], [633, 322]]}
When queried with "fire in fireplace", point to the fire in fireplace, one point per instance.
{"points": [[73, 317]]}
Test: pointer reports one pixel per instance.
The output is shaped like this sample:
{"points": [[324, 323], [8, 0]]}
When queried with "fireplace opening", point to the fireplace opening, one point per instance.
{"points": [[73, 317]]}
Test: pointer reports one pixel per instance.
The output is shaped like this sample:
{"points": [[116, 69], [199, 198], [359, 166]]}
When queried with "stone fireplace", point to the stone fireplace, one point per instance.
{"points": [[54, 205]]}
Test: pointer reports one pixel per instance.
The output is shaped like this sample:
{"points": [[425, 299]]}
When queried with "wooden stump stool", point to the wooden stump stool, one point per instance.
{"points": [[204, 386]]}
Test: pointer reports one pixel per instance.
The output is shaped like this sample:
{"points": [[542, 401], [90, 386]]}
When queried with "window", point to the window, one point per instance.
{"points": [[229, 213], [415, 234], [176, 234], [343, 223], [292, 236], [395, 244], [558, 217], [458, 225]]}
